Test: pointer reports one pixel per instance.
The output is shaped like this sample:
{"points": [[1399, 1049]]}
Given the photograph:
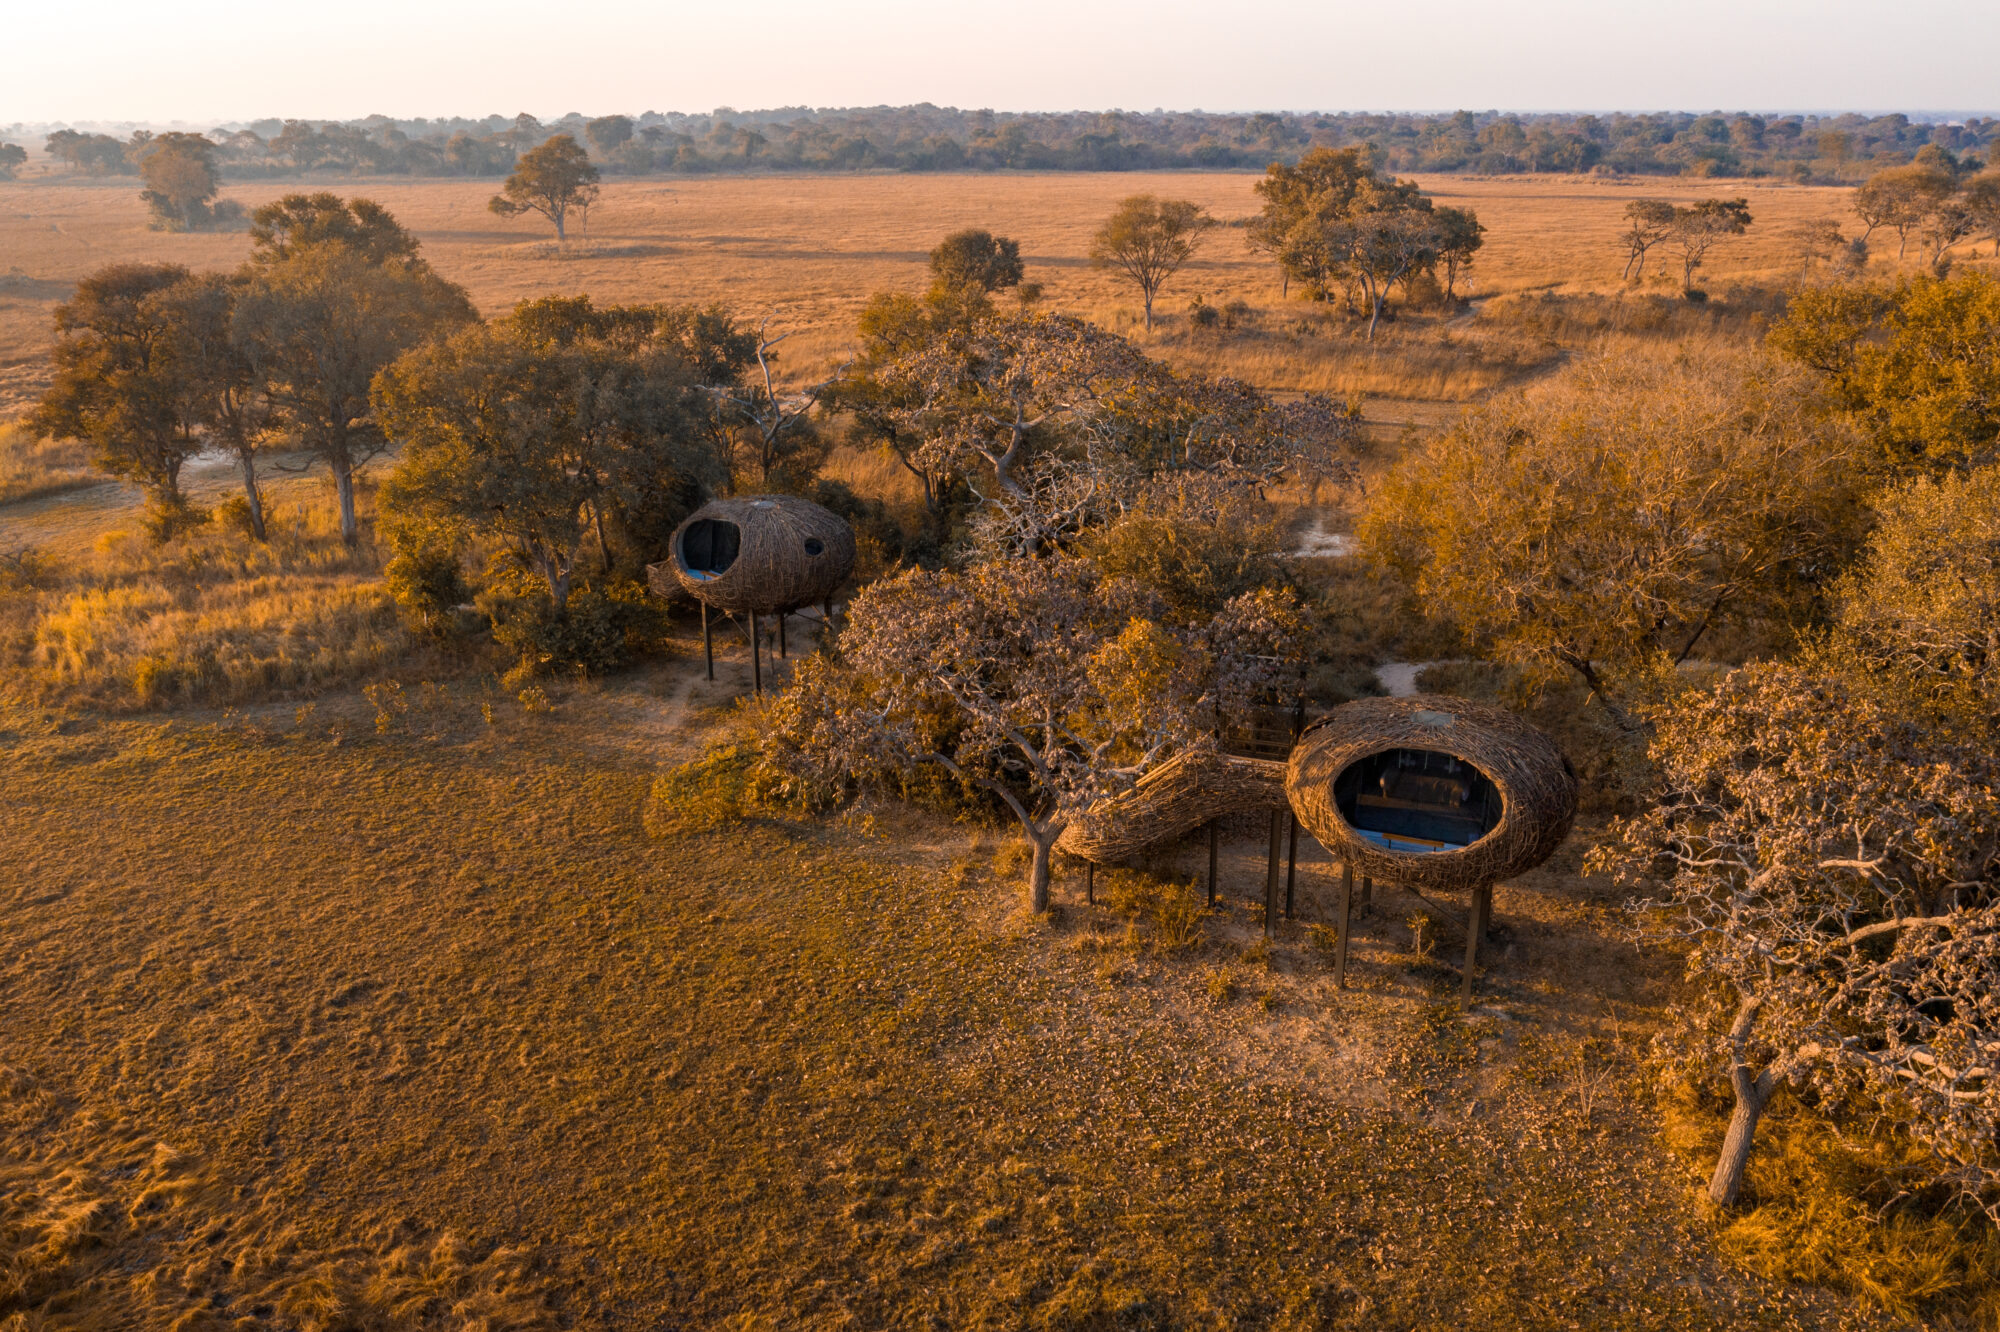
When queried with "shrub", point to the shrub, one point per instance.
{"points": [[603, 628], [169, 518]]}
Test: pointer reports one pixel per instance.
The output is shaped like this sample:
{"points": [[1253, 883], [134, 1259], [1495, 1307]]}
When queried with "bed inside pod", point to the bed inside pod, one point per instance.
{"points": [[1417, 800], [709, 547]]}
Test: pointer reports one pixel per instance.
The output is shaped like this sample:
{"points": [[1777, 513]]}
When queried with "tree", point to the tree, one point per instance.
{"points": [[1389, 237], [180, 178], [553, 180], [780, 423], [1611, 522], [1919, 618], [524, 430], [91, 154], [12, 155], [114, 385], [1148, 239], [1900, 198], [332, 294], [976, 258], [1460, 235], [1830, 870], [1982, 197], [1916, 365], [609, 133], [1034, 680], [1698, 227], [227, 390], [1647, 223]]}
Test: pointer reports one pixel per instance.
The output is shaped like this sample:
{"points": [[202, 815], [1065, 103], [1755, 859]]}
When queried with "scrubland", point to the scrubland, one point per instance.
{"points": [[346, 987]]}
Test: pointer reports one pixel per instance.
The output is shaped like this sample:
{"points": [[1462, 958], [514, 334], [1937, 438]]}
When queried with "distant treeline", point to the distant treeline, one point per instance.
{"points": [[930, 138]]}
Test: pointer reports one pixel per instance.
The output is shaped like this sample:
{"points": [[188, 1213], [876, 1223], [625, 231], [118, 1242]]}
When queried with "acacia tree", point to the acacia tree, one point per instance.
{"points": [[12, 155], [555, 179], [1647, 223], [1901, 198], [1148, 239], [1830, 871], [1699, 227], [1034, 680], [1610, 522], [115, 384], [332, 294], [1460, 236]]}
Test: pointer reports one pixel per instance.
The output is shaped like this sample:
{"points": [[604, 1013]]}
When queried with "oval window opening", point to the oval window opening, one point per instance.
{"points": [[814, 546], [709, 547], [1417, 800]]}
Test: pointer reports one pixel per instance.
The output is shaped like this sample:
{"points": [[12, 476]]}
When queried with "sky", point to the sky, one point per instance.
{"points": [[210, 61]]}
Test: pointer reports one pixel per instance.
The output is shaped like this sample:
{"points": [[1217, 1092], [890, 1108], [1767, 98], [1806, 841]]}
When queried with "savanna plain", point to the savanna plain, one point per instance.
{"points": [[367, 988]]}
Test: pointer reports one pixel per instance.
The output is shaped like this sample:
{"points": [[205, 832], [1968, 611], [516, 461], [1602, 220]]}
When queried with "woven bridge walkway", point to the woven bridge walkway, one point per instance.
{"points": [[1173, 800]]}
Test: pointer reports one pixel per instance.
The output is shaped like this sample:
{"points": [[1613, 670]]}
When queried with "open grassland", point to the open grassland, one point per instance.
{"points": [[808, 251], [314, 1026]]}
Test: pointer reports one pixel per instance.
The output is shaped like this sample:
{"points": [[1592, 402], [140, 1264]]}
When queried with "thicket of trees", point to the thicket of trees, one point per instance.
{"points": [[930, 138]]}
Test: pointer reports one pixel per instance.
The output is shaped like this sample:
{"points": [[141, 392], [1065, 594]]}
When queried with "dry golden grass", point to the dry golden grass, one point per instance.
{"points": [[808, 251], [439, 981]]}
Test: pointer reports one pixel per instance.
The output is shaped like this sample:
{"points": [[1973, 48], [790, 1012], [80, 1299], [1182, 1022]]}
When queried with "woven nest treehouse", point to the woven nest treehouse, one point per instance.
{"points": [[761, 554], [1432, 792]]}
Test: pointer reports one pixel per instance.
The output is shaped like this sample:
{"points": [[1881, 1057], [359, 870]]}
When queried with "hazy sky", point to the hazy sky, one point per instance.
{"points": [[211, 60]]}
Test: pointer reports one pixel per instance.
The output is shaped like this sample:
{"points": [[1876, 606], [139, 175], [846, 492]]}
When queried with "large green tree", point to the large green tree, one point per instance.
{"points": [[526, 429], [332, 294], [180, 177], [555, 180], [116, 385]]}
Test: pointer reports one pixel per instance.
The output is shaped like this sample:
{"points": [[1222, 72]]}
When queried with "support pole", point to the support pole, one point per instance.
{"points": [[756, 661], [781, 635], [1292, 866], [1475, 927], [707, 641], [1271, 874], [1213, 837], [1367, 893], [1346, 925]]}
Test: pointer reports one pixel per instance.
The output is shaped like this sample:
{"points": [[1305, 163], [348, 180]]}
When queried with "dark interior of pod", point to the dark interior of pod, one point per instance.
{"points": [[709, 546], [1417, 800]]}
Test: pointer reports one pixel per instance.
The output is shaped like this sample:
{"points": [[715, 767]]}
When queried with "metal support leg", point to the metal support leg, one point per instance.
{"points": [[1367, 893], [1271, 874], [781, 635], [1346, 925], [707, 641], [756, 661], [1214, 836], [1475, 928], [1292, 866]]}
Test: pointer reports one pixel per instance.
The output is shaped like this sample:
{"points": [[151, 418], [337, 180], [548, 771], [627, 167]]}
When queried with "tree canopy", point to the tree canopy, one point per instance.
{"points": [[555, 180]]}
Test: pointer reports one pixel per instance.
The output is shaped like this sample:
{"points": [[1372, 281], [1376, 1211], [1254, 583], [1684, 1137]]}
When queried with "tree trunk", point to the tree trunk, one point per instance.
{"points": [[1375, 304], [251, 494], [557, 217], [1043, 840], [343, 485], [1752, 1095], [1149, 311]]}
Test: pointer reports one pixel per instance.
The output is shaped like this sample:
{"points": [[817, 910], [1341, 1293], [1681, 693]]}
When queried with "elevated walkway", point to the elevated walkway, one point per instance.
{"points": [[1172, 801]]}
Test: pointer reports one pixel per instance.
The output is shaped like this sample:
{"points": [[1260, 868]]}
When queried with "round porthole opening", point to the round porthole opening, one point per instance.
{"points": [[1417, 801], [814, 546]]}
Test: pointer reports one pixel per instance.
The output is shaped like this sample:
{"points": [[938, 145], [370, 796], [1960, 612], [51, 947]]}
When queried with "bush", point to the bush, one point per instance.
{"points": [[604, 628], [167, 519], [429, 585]]}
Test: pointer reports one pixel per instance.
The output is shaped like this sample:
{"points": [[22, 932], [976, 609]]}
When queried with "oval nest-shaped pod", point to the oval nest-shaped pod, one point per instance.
{"points": [[1432, 791], [759, 553]]}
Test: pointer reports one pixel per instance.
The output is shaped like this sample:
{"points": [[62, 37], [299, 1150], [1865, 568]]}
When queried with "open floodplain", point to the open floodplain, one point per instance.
{"points": [[422, 1007]]}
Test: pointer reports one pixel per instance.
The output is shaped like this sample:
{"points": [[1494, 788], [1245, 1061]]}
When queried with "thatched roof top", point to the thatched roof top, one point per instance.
{"points": [[1535, 782], [1172, 800], [758, 553]]}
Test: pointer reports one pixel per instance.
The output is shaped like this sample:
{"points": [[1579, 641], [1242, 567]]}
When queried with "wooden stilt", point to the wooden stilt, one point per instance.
{"points": [[707, 641], [1090, 882], [1346, 925], [781, 635], [1475, 928], [756, 661], [1367, 893], [1214, 837], [1292, 866], [1271, 873]]}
